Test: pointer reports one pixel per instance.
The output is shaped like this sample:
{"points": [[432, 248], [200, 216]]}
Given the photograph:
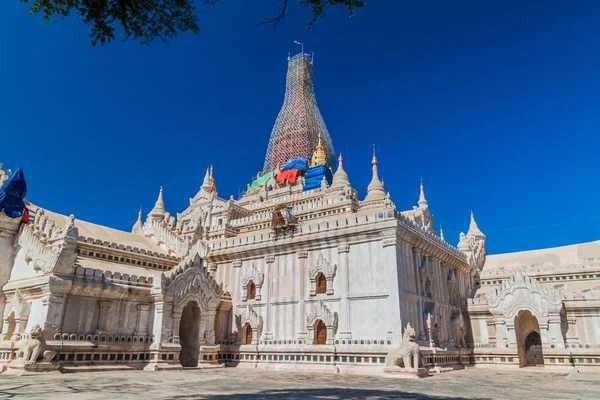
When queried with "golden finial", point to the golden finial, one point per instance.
{"points": [[374, 160], [210, 177], [319, 156]]}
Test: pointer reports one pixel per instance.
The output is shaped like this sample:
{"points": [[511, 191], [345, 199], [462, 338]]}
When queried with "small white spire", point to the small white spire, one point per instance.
{"points": [[159, 206], [422, 200], [375, 189], [340, 178], [474, 229], [137, 227], [206, 181], [442, 233]]}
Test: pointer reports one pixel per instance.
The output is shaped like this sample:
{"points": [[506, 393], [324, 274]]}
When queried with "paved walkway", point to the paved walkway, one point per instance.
{"points": [[234, 383]]}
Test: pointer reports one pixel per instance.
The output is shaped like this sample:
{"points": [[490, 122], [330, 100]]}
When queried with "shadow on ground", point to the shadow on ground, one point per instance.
{"points": [[327, 394]]}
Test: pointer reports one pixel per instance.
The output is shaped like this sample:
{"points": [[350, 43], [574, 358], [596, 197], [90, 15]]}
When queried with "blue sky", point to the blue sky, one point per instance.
{"points": [[493, 103]]}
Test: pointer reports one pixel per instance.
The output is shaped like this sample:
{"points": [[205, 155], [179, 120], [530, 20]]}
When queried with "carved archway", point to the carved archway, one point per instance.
{"points": [[189, 283], [252, 282], [189, 329], [326, 317], [522, 293], [324, 269], [248, 319]]}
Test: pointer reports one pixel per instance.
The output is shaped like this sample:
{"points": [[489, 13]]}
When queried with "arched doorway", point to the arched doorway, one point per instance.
{"points": [[533, 349], [189, 330], [247, 334], [320, 332], [529, 341]]}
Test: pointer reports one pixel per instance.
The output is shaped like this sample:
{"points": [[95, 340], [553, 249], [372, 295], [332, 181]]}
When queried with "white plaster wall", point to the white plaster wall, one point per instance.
{"points": [[21, 269], [588, 329], [370, 318], [367, 269], [374, 297], [37, 315]]}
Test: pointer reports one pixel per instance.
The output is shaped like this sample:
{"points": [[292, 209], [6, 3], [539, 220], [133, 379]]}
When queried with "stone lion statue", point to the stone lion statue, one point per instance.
{"points": [[35, 348], [401, 355]]}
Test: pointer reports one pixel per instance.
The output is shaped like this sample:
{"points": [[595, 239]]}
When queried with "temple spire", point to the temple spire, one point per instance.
{"points": [[340, 178], [158, 212], [296, 130], [422, 199], [137, 228], [474, 229], [206, 181], [442, 233], [375, 189]]}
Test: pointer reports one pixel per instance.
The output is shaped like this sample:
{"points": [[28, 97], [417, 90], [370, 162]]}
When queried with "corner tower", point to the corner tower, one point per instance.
{"points": [[297, 128]]}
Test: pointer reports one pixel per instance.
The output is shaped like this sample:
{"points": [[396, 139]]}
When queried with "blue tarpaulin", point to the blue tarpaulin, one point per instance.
{"points": [[314, 176], [296, 163], [12, 194]]}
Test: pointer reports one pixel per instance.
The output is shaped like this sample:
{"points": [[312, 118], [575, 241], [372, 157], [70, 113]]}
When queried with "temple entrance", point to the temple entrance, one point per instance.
{"points": [[247, 334], [533, 349], [320, 333], [529, 341], [189, 330]]}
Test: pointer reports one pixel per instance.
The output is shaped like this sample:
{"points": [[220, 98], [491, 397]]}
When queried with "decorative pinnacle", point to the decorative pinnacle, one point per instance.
{"points": [[211, 179], [340, 159], [375, 190], [474, 229], [138, 224], [374, 160], [159, 206], [422, 201]]}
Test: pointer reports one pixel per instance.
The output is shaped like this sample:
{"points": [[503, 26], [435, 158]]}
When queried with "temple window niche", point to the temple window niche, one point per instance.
{"points": [[252, 282], [321, 277], [321, 284], [251, 291]]}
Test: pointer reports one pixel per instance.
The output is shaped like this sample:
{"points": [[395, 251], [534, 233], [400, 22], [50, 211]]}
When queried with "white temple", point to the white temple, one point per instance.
{"points": [[285, 277]]}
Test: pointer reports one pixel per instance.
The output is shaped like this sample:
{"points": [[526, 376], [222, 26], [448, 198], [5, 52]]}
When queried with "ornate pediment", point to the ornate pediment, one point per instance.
{"points": [[323, 266], [321, 312], [253, 275], [192, 280], [524, 293], [249, 316]]}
